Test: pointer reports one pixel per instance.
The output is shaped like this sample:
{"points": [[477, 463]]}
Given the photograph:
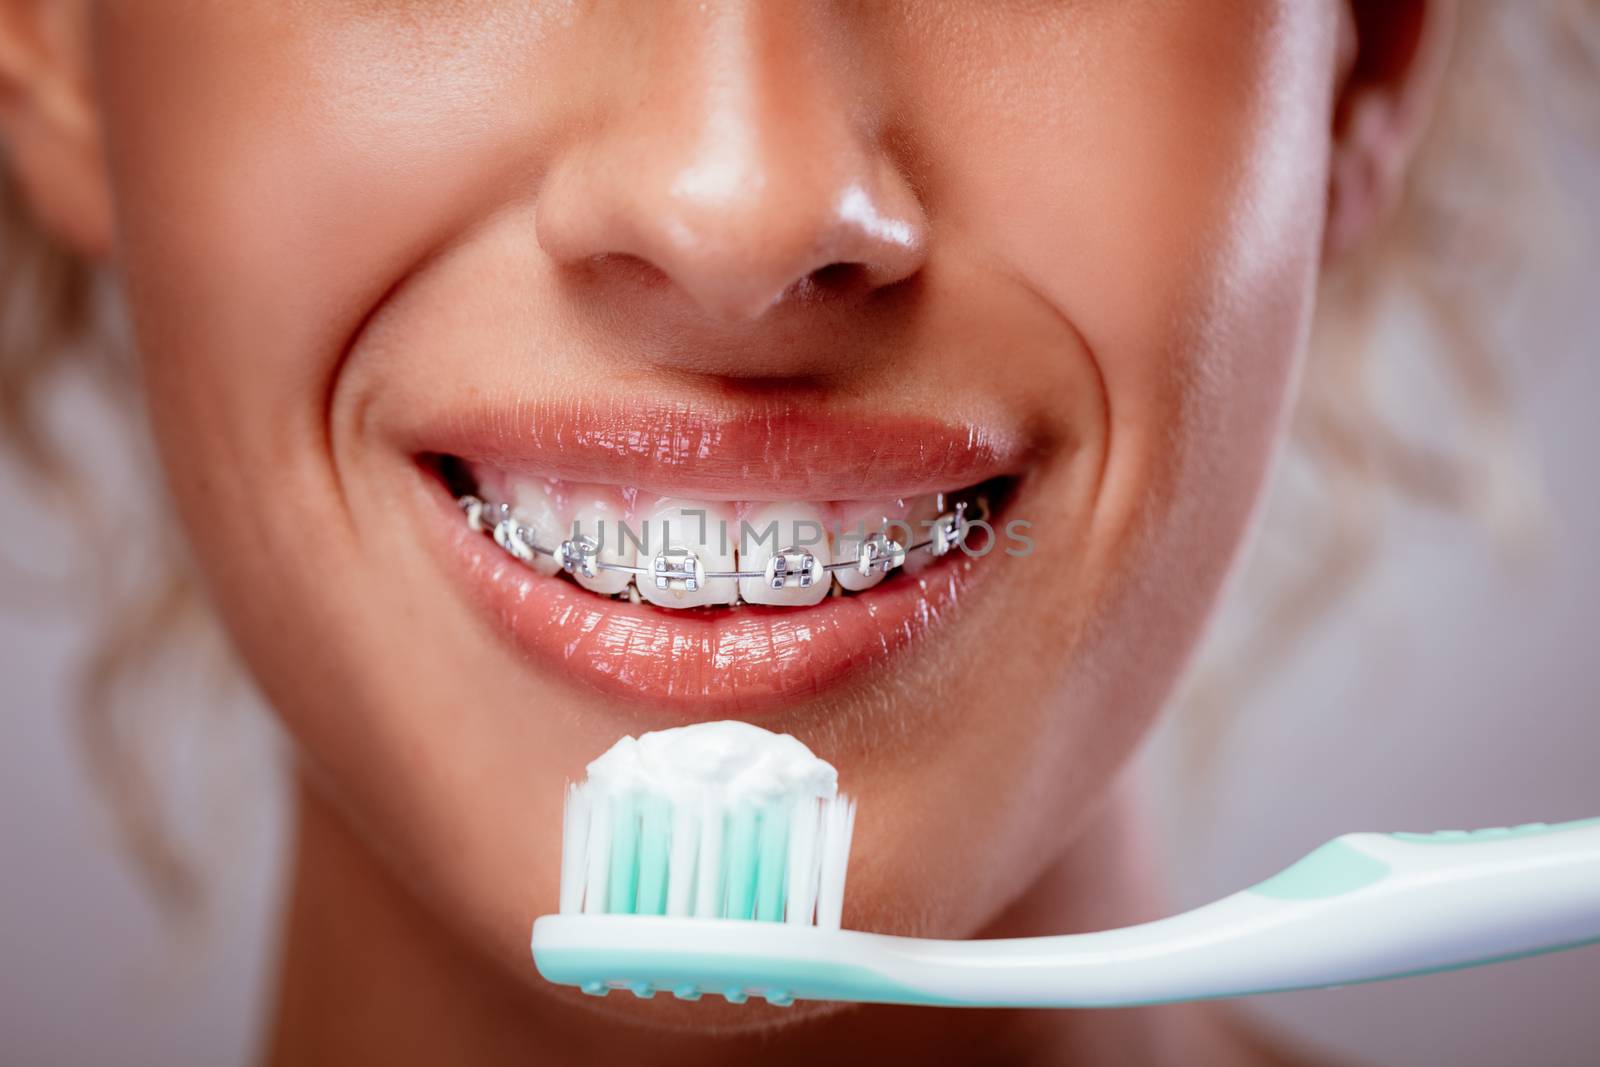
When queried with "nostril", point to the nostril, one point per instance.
{"points": [[838, 275], [833, 280]]}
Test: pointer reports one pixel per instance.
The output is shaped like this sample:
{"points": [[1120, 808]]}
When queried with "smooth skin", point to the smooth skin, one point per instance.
{"points": [[333, 217]]}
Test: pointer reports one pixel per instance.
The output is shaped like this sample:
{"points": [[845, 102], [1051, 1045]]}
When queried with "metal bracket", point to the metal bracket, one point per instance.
{"points": [[578, 555], [949, 530], [792, 568], [677, 569], [879, 552], [513, 537]]}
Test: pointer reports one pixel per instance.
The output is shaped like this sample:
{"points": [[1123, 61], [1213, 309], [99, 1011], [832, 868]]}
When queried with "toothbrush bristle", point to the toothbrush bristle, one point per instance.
{"points": [[637, 853]]}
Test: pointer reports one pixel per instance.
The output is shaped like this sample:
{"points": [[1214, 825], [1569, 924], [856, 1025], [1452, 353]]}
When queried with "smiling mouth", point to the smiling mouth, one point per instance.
{"points": [[703, 562]]}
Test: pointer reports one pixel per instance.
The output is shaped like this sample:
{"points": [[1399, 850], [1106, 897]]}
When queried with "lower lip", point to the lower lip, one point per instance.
{"points": [[697, 665]]}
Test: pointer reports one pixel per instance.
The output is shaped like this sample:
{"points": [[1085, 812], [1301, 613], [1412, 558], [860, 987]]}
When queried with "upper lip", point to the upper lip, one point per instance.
{"points": [[768, 449]]}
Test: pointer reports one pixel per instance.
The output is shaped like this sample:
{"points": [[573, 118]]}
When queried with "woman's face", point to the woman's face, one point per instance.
{"points": [[593, 256]]}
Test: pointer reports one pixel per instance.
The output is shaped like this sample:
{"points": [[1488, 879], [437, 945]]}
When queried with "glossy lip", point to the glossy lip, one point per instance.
{"points": [[767, 451], [706, 664]]}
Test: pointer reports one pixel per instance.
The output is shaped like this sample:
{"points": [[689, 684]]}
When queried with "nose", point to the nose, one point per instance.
{"points": [[743, 168]]}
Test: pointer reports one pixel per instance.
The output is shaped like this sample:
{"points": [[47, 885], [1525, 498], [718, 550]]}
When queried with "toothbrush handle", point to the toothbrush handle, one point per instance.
{"points": [[1361, 908]]}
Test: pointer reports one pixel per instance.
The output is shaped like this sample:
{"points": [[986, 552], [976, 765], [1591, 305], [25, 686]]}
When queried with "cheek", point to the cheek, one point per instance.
{"points": [[1164, 191], [260, 217], [275, 177]]}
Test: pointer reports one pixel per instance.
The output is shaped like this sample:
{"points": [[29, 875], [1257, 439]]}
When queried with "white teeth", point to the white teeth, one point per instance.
{"points": [[687, 539], [857, 522], [920, 515], [668, 549], [534, 506], [597, 513], [797, 531]]}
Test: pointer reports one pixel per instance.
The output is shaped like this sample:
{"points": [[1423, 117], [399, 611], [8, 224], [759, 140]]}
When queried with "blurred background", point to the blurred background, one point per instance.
{"points": [[1451, 683]]}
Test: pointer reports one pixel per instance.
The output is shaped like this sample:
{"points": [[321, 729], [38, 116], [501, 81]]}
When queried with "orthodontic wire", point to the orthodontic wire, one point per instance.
{"points": [[502, 513]]}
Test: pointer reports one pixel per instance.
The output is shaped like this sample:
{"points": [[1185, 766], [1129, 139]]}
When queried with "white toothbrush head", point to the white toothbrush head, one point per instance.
{"points": [[723, 822]]}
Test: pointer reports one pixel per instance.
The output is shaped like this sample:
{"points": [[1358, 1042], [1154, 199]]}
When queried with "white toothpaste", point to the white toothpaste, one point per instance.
{"points": [[733, 761]]}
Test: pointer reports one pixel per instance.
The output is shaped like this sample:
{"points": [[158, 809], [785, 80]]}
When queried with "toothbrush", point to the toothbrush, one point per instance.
{"points": [[741, 899]]}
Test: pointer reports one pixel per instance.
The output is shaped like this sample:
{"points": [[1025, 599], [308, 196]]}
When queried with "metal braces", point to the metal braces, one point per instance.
{"points": [[792, 568], [880, 552], [579, 555], [677, 569], [680, 569]]}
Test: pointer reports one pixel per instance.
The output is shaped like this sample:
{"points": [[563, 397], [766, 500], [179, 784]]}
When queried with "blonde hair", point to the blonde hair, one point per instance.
{"points": [[58, 331], [1482, 155]]}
